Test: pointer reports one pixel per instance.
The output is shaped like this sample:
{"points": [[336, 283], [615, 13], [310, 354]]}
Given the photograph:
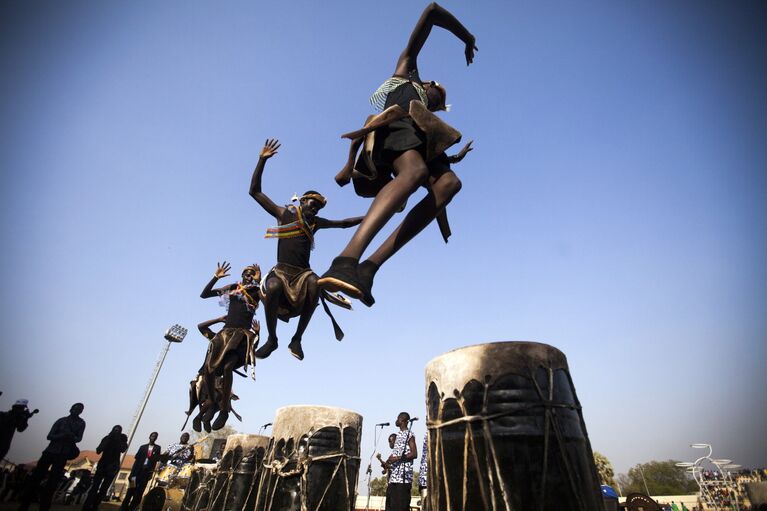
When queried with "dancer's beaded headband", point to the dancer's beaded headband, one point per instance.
{"points": [[316, 196]]}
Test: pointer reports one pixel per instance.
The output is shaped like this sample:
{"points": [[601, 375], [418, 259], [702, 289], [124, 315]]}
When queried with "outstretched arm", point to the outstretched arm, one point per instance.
{"points": [[324, 223], [433, 15], [222, 270], [204, 327], [269, 150]]}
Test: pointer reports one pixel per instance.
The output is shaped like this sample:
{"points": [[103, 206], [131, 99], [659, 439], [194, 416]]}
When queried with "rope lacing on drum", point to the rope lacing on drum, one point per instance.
{"points": [[552, 418], [494, 470], [302, 467], [224, 490]]}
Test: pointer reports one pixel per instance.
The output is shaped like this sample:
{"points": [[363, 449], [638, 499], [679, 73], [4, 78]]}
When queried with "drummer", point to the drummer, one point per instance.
{"points": [[181, 453]]}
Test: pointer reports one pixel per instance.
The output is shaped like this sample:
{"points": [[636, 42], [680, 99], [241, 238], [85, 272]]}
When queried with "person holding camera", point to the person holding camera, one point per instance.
{"points": [[64, 436]]}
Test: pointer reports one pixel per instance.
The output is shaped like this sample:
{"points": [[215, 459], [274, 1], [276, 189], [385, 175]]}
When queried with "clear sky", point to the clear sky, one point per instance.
{"points": [[614, 207]]}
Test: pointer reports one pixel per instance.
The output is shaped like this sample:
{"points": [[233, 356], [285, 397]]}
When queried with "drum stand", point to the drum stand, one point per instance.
{"points": [[369, 471]]}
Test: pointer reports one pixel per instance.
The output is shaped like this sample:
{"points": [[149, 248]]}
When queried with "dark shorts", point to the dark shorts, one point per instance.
{"points": [[392, 141]]}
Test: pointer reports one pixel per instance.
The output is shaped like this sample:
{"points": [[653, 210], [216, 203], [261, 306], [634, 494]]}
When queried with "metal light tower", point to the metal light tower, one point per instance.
{"points": [[176, 333]]}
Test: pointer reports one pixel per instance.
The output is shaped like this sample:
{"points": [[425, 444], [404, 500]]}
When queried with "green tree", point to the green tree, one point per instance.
{"points": [[378, 487], [604, 469], [661, 477]]}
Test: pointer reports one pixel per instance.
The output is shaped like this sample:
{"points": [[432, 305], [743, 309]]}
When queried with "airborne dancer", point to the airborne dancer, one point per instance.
{"points": [[198, 388], [234, 345], [290, 288], [408, 144]]}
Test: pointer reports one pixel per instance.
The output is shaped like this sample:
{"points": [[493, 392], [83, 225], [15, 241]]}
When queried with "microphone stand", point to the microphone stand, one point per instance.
{"points": [[370, 462]]}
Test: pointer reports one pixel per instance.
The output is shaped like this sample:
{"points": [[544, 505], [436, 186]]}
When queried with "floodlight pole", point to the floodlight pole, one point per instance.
{"points": [[176, 333], [641, 472]]}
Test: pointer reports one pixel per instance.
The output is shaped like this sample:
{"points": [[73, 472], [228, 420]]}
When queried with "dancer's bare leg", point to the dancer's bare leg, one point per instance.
{"points": [[443, 189], [310, 304], [273, 291], [411, 172], [231, 362]]}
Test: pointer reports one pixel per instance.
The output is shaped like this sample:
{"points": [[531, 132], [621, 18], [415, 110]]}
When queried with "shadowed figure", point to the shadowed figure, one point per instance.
{"points": [[408, 144], [15, 419], [290, 288], [110, 448], [144, 463], [198, 388], [64, 436], [234, 345]]}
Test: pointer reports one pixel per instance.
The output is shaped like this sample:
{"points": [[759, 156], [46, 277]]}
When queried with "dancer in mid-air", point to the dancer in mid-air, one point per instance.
{"points": [[290, 288], [198, 388], [234, 345], [408, 151]]}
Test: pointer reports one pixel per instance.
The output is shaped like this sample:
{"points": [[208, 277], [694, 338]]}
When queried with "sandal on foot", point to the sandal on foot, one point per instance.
{"points": [[267, 349], [220, 421], [295, 349], [342, 277], [366, 271]]}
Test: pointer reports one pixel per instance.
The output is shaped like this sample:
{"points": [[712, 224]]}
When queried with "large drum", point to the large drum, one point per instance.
{"points": [[162, 499], [506, 432], [166, 475], [313, 460], [201, 480], [238, 473]]}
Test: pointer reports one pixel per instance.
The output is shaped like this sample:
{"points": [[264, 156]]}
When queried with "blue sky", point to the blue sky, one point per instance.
{"points": [[614, 207]]}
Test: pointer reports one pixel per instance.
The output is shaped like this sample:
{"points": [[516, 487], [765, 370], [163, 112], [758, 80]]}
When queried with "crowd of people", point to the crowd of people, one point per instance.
{"points": [[49, 478], [726, 489]]}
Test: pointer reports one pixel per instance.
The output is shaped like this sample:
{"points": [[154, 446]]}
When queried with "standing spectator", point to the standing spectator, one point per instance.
{"points": [[423, 474], [110, 448], [401, 462], [12, 421], [146, 458], [64, 435]]}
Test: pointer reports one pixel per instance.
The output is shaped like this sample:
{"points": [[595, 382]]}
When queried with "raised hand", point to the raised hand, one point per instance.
{"points": [[256, 326], [222, 270], [470, 49], [270, 148], [462, 153]]}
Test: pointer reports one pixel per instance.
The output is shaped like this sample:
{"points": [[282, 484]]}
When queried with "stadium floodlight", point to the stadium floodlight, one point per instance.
{"points": [[700, 446], [176, 333], [721, 462], [686, 464]]}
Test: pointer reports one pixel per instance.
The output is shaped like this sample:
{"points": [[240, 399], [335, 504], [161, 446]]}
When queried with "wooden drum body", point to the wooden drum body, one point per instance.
{"points": [[238, 473], [201, 479], [506, 432], [313, 460], [162, 499]]}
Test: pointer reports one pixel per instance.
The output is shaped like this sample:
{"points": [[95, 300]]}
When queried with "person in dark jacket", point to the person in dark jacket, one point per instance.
{"points": [[64, 435], [110, 448], [12, 421], [146, 458]]}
